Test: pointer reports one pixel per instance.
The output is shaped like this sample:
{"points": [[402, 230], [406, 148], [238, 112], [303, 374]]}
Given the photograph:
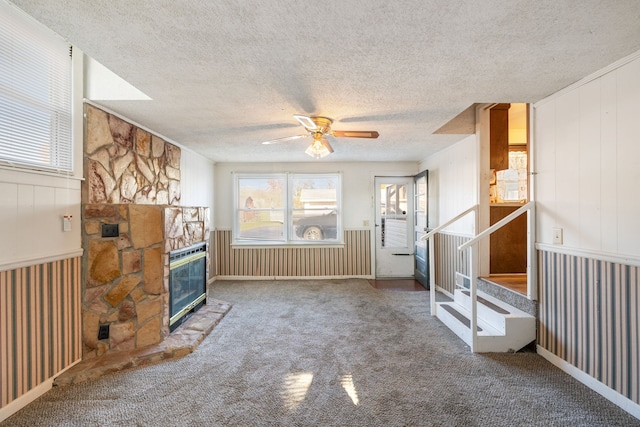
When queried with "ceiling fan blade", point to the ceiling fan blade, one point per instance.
{"points": [[355, 133], [286, 138], [306, 121]]}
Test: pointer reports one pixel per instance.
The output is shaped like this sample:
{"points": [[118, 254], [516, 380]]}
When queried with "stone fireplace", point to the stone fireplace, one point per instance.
{"points": [[132, 222], [127, 276]]}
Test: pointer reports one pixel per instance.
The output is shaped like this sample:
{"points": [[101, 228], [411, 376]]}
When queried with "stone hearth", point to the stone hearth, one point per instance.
{"points": [[181, 342]]}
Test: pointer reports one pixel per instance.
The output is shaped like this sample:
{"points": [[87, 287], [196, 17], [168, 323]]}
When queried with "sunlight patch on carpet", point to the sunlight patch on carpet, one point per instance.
{"points": [[295, 390], [346, 381]]}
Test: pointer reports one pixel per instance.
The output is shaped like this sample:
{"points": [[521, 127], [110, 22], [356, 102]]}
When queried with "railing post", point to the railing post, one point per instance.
{"points": [[432, 275], [473, 275], [430, 237], [532, 261]]}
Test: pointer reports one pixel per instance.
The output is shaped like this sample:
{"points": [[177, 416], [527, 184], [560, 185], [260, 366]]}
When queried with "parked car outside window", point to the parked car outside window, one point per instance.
{"points": [[317, 227]]}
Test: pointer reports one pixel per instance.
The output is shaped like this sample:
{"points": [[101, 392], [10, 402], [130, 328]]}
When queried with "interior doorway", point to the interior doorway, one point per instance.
{"points": [[508, 190], [394, 226]]}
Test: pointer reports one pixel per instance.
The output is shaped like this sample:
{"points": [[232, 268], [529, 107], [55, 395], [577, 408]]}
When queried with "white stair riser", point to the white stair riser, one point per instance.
{"points": [[502, 322], [454, 324], [490, 316], [464, 299]]}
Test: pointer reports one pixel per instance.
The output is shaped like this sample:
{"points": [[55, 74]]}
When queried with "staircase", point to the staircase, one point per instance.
{"points": [[501, 327]]}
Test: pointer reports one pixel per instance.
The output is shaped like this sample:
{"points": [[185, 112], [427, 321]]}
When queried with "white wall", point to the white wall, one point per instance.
{"points": [[196, 181], [33, 204], [31, 211], [588, 164], [453, 180], [357, 186]]}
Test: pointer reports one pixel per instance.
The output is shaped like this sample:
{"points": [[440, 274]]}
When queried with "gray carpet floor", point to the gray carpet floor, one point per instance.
{"points": [[329, 353]]}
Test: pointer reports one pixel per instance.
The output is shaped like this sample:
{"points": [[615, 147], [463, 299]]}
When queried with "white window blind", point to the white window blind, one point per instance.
{"points": [[35, 94]]}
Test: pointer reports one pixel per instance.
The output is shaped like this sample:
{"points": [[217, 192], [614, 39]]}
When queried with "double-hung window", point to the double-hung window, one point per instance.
{"points": [[35, 94], [287, 208]]}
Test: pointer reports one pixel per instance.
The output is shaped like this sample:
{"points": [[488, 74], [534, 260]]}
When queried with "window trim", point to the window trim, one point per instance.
{"points": [[288, 229]]}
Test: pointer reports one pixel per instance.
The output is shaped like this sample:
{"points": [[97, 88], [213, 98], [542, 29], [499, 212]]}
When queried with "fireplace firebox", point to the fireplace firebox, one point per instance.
{"points": [[187, 283]]}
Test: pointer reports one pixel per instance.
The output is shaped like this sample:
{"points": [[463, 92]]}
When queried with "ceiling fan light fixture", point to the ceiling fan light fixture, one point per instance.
{"points": [[305, 121], [319, 148], [318, 127]]}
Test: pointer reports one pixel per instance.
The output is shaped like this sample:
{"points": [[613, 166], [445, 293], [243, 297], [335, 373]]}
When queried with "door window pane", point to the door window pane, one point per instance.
{"points": [[393, 215], [421, 203]]}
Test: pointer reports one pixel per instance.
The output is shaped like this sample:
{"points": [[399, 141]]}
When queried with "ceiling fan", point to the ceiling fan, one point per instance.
{"points": [[319, 127]]}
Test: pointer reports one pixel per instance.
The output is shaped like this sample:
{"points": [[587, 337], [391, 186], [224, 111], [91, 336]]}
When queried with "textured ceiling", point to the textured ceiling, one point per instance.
{"points": [[225, 75]]}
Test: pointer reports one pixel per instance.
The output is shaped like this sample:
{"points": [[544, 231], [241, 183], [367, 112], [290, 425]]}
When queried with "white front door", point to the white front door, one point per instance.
{"points": [[394, 226]]}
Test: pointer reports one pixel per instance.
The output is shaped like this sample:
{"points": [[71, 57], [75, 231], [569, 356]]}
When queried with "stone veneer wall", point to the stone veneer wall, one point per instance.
{"points": [[126, 164], [126, 277]]}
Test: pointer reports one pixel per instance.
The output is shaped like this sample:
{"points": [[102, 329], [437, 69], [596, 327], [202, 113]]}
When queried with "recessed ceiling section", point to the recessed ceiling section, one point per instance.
{"points": [[102, 84], [462, 124]]}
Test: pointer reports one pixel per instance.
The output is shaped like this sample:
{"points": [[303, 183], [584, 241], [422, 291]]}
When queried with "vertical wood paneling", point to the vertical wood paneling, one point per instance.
{"points": [[627, 171], [589, 172], [353, 259], [40, 332], [608, 155], [586, 164], [589, 317]]}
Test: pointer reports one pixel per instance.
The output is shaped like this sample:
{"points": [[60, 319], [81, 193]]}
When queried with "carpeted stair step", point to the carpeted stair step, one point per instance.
{"points": [[501, 328], [497, 313], [457, 318]]}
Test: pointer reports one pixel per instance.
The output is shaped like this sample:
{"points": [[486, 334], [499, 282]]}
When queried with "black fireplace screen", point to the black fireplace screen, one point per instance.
{"points": [[187, 282]]}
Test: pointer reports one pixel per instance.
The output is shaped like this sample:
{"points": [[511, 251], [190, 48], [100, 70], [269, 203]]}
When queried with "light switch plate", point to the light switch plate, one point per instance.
{"points": [[557, 236]]}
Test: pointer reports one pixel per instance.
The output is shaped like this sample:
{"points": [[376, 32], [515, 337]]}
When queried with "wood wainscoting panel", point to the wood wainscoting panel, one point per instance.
{"points": [[352, 259], [40, 324], [449, 260], [590, 317]]}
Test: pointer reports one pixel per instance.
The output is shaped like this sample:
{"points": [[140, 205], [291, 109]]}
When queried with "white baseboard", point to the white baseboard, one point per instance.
{"points": [[25, 399], [290, 277], [595, 385], [22, 401]]}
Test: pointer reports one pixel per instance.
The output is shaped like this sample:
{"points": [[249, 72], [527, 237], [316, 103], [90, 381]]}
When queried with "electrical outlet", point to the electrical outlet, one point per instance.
{"points": [[110, 230], [103, 332], [557, 236]]}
